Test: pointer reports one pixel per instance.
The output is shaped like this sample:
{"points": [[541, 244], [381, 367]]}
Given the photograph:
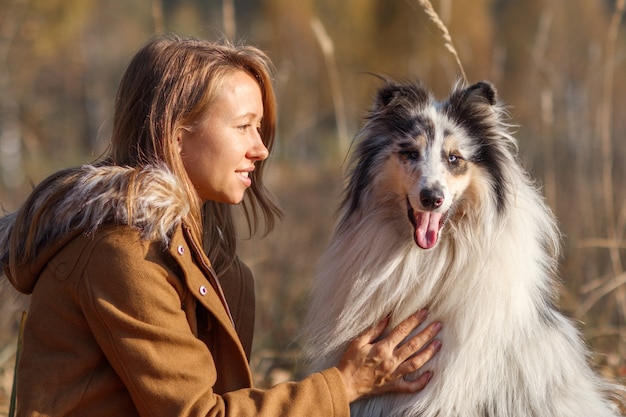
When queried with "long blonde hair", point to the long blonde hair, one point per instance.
{"points": [[168, 84]]}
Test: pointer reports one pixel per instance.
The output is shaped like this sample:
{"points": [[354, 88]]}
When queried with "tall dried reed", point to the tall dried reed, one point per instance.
{"points": [[447, 39], [156, 10], [13, 400], [328, 51], [228, 19], [616, 282]]}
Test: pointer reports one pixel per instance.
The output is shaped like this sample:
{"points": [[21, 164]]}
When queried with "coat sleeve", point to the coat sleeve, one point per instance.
{"points": [[321, 394], [132, 303]]}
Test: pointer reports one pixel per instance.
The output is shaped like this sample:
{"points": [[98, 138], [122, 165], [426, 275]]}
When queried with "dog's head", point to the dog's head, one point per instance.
{"points": [[433, 158]]}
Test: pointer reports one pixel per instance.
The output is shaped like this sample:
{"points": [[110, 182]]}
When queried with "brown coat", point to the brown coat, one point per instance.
{"points": [[123, 325]]}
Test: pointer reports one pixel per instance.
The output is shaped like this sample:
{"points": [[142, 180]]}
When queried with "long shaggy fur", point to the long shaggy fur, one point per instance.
{"points": [[84, 198], [439, 214]]}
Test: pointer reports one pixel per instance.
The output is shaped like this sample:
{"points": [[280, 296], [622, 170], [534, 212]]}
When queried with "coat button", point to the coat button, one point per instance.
{"points": [[181, 249], [202, 290]]}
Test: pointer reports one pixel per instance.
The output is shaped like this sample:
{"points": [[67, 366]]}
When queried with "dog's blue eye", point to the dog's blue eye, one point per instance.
{"points": [[452, 158]]}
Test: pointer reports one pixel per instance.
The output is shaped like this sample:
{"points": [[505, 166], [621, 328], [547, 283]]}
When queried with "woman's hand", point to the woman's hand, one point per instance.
{"points": [[371, 367]]}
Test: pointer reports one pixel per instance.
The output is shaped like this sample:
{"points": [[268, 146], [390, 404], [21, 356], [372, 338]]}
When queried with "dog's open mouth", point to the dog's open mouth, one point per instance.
{"points": [[427, 225]]}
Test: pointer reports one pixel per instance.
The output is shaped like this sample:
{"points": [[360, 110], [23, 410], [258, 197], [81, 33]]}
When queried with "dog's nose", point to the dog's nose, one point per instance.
{"points": [[431, 198]]}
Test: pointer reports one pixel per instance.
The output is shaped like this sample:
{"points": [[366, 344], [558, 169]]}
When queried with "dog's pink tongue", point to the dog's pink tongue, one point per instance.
{"points": [[427, 229]]}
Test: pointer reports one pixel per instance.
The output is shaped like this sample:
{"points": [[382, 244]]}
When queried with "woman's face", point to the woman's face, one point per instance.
{"points": [[220, 149]]}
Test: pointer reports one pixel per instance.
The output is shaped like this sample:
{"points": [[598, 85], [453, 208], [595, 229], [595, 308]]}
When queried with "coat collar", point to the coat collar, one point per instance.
{"points": [[187, 253], [79, 200], [204, 264]]}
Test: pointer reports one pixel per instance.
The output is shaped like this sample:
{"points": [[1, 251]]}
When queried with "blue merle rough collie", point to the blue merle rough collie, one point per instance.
{"points": [[438, 213]]}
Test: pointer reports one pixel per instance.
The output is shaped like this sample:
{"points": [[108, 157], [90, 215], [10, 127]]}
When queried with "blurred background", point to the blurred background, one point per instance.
{"points": [[558, 64]]}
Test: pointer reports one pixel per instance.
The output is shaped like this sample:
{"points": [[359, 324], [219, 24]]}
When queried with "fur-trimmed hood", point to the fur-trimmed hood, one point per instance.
{"points": [[79, 200]]}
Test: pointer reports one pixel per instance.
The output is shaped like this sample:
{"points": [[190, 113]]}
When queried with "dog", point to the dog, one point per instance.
{"points": [[439, 213]]}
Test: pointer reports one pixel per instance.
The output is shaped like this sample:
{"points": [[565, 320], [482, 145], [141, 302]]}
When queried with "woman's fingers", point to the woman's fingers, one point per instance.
{"points": [[404, 328], [413, 355], [416, 385], [417, 361], [415, 343], [373, 332], [373, 364]]}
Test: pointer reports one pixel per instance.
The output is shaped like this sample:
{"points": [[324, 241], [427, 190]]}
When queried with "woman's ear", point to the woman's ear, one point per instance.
{"points": [[181, 133]]}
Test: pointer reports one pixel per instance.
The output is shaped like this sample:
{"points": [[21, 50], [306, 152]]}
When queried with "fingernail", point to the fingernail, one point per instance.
{"points": [[422, 314], [437, 326], [436, 344]]}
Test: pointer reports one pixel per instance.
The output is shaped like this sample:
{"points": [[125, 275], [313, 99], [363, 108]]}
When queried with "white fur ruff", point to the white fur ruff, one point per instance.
{"points": [[490, 278]]}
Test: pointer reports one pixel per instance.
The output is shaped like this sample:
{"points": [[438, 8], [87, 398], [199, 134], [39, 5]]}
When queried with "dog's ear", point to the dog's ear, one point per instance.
{"points": [[483, 90], [481, 93], [385, 95], [474, 104], [392, 94]]}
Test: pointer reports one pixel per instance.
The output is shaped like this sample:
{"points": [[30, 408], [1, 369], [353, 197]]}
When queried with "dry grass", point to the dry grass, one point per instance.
{"points": [[328, 50], [607, 152], [285, 261], [427, 7]]}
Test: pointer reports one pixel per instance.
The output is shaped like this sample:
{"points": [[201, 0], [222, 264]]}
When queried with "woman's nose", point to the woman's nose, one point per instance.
{"points": [[258, 151]]}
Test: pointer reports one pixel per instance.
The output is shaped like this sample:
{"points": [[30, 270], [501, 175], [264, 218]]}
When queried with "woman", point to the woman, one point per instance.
{"points": [[127, 316]]}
